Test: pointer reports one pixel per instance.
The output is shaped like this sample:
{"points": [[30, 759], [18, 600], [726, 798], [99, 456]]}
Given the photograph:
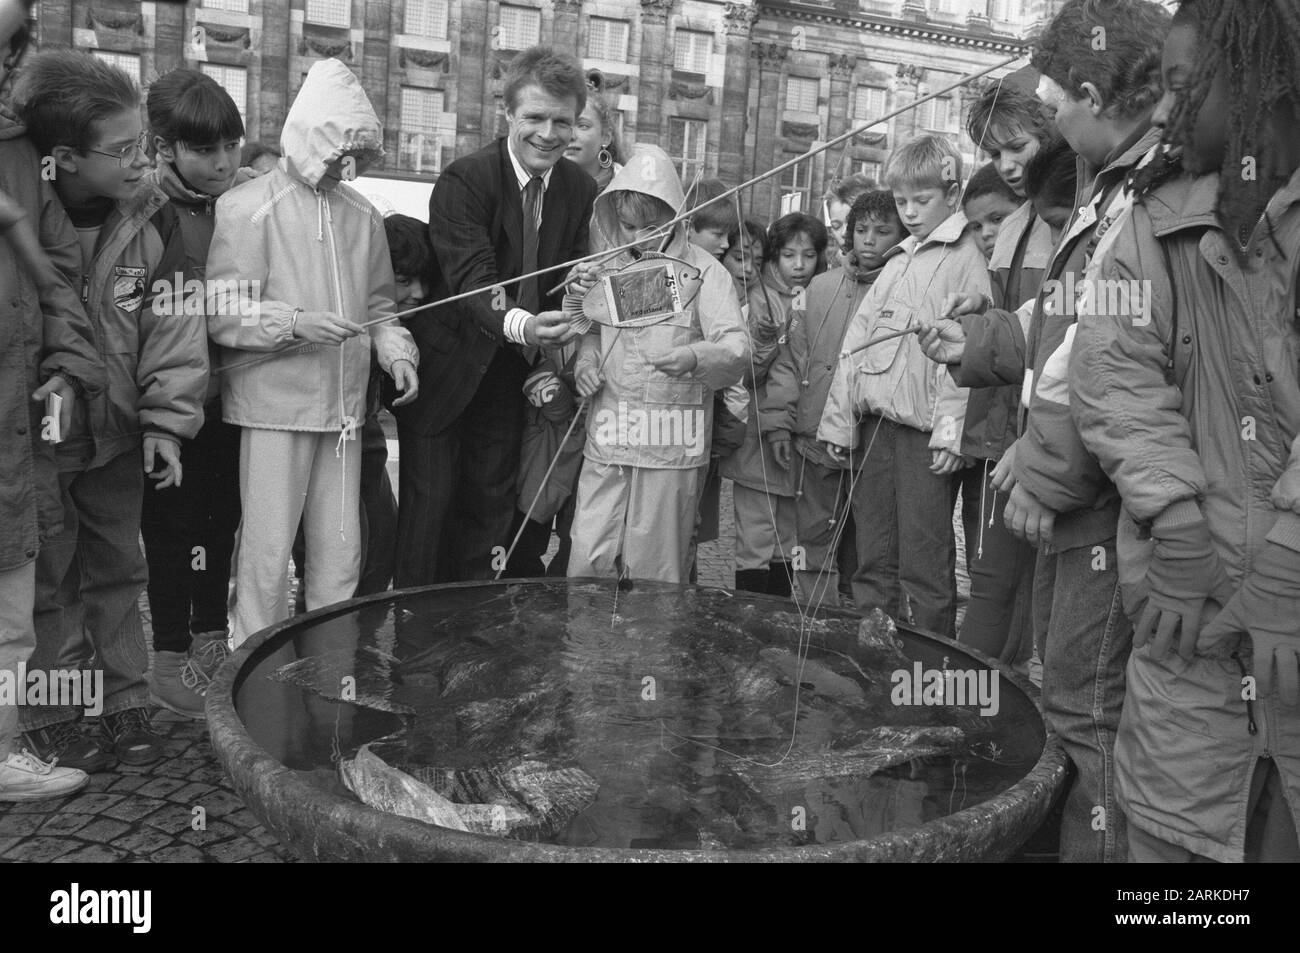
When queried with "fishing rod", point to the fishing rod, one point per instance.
{"points": [[880, 340]]}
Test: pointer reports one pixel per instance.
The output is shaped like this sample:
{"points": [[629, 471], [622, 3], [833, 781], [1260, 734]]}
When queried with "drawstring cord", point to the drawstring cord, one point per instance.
{"points": [[349, 432], [1250, 705], [984, 486]]}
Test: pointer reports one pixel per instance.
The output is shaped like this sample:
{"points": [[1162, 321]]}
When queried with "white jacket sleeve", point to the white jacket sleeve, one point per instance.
{"points": [[392, 342]]}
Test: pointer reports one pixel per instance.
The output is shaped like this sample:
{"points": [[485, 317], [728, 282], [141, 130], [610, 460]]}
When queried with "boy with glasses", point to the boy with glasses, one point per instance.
{"points": [[85, 114]]}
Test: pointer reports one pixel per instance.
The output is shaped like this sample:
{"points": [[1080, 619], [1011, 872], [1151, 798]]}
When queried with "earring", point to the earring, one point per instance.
{"points": [[605, 157]]}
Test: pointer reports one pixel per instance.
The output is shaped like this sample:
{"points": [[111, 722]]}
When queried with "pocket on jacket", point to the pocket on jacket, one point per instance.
{"points": [[879, 358], [687, 393]]}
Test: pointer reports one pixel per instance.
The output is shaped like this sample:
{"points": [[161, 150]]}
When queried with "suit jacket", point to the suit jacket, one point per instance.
{"points": [[476, 224]]}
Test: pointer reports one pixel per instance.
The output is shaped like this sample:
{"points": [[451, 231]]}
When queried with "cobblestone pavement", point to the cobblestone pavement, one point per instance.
{"points": [[151, 814]]}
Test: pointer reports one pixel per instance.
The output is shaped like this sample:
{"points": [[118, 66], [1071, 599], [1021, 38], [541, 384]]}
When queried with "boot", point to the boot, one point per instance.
{"points": [[207, 651], [778, 580], [166, 689], [751, 580]]}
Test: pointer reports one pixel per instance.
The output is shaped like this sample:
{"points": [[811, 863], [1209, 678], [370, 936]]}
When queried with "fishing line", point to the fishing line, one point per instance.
{"points": [[681, 216]]}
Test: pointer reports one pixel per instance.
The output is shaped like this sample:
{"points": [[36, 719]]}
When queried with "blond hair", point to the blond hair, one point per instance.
{"points": [[924, 163]]}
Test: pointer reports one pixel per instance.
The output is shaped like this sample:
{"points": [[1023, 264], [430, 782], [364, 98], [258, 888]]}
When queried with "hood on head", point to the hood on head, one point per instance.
{"points": [[648, 170], [330, 115]]}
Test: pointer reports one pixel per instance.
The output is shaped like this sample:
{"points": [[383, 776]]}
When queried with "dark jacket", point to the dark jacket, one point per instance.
{"points": [[994, 363], [476, 225], [40, 334], [1051, 461]]}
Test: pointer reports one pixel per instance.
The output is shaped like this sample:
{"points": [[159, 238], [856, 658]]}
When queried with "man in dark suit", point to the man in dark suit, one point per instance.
{"points": [[500, 213]]}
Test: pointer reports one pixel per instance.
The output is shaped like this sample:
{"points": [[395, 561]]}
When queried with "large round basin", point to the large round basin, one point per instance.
{"points": [[707, 726]]}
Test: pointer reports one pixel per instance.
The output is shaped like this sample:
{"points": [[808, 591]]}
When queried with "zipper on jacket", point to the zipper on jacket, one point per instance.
{"points": [[347, 425], [1250, 705]]}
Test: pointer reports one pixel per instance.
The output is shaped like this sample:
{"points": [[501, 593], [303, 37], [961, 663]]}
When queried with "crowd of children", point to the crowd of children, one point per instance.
{"points": [[1125, 480]]}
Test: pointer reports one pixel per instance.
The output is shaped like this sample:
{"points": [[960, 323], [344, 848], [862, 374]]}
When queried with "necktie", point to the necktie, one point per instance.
{"points": [[528, 295]]}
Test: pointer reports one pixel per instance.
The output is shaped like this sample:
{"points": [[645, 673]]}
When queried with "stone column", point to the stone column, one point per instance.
{"points": [[269, 100], [656, 59], [766, 197], [375, 62], [905, 123], [740, 19], [838, 118], [565, 30]]}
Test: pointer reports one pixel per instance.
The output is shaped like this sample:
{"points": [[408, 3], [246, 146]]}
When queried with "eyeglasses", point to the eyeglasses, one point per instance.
{"points": [[128, 153]]}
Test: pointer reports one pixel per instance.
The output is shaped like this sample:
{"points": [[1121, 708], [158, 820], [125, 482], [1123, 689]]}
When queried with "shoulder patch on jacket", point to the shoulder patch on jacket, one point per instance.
{"points": [[128, 287]]}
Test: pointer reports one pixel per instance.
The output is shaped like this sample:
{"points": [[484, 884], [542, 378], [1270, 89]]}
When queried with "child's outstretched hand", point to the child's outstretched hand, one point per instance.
{"points": [[583, 277], [407, 380], [169, 452], [678, 361], [838, 454], [943, 341], [1028, 519], [324, 327], [944, 462], [588, 379]]}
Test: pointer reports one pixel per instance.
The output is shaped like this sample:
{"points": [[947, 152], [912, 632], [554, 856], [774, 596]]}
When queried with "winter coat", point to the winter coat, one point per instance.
{"points": [[1051, 462], [895, 379], [801, 375], [771, 306], [156, 361], [1016, 270], [1176, 437], [41, 334], [711, 327], [282, 243]]}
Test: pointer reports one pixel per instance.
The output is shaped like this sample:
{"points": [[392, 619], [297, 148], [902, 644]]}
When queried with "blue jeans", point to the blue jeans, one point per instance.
{"points": [[1087, 644], [17, 639], [88, 579]]}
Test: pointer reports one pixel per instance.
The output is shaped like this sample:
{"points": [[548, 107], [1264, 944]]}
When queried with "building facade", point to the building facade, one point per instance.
{"points": [[730, 88]]}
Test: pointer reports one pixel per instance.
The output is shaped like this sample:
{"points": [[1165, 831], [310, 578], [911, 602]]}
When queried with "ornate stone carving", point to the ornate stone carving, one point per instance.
{"points": [[842, 65], [800, 130], [655, 11], [679, 90], [740, 18], [326, 46], [771, 55], [234, 36], [115, 20], [424, 59], [908, 71]]}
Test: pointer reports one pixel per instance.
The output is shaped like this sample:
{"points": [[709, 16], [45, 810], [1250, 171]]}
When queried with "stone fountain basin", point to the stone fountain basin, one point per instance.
{"points": [[318, 825]]}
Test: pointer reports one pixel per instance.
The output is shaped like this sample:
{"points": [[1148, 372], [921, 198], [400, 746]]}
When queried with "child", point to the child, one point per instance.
{"points": [[836, 205], [86, 115], [308, 255], [1051, 181], [54, 342], [986, 202], [710, 226], [637, 496], [911, 411], [763, 491], [189, 530], [1058, 497], [746, 254], [1207, 760], [800, 379]]}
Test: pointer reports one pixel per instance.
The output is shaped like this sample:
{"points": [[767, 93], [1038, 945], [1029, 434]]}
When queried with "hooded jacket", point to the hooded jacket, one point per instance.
{"points": [[156, 361], [894, 379], [711, 327], [41, 334], [281, 243], [1051, 461], [800, 378], [771, 309], [1216, 432]]}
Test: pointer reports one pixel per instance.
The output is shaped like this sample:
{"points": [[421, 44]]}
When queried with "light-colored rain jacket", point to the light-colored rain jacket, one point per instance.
{"points": [[281, 243], [712, 327], [1217, 430], [895, 379]]}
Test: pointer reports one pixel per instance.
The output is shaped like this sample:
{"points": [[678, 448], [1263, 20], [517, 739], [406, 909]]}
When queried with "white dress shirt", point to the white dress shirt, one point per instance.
{"points": [[517, 318]]}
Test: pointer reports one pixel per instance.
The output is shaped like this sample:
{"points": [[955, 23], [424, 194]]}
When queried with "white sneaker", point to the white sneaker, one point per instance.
{"points": [[24, 777]]}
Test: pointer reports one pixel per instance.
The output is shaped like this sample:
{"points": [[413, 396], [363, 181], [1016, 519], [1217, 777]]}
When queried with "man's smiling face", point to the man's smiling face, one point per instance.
{"points": [[541, 127]]}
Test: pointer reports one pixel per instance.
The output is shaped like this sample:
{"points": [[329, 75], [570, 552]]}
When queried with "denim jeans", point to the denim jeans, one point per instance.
{"points": [[17, 639], [903, 514], [1088, 639], [88, 579]]}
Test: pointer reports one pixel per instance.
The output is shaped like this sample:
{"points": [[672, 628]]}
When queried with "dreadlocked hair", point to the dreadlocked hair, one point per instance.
{"points": [[1255, 43]]}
